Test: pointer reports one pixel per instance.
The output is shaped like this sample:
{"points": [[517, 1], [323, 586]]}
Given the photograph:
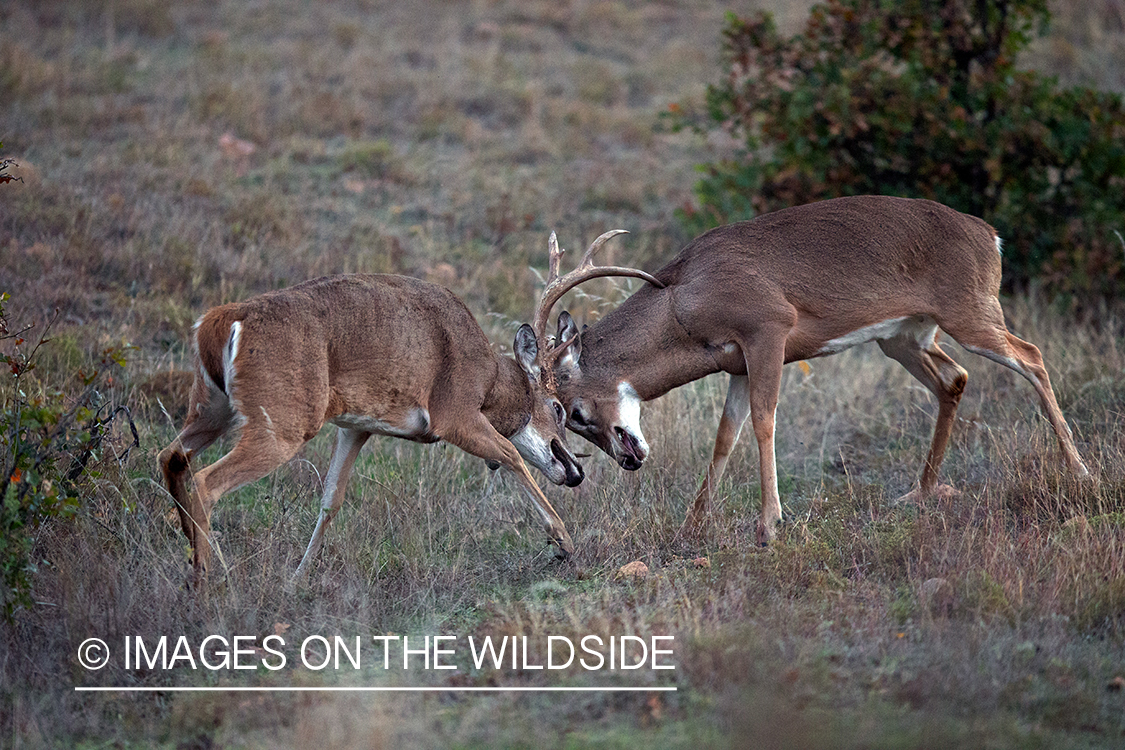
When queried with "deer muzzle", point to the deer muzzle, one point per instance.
{"points": [[574, 473], [632, 455]]}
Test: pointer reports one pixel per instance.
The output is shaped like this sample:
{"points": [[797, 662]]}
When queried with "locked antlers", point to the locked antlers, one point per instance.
{"points": [[557, 286]]}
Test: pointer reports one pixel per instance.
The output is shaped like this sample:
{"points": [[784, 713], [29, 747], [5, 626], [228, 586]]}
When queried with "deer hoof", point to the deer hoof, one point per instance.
{"points": [[197, 579], [767, 532], [564, 548]]}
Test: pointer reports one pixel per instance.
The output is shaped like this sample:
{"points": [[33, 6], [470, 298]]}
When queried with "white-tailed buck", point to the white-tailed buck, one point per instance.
{"points": [[800, 283], [373, 355]]}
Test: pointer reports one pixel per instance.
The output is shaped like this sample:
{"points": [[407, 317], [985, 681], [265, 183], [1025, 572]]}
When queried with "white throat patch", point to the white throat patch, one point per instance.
{"points": [[629, 412], [534, 448]]}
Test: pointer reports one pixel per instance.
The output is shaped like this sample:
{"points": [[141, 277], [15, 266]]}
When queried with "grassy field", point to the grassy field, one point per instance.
{"points": [[179, 155]]}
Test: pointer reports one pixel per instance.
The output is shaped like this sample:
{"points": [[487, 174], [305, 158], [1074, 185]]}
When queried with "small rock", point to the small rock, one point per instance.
{"points": [[635, 569], [936, 595]]}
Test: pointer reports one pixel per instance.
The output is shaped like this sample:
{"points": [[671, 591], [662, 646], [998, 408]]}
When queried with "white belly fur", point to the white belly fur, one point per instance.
{"points": [[921, 328], [415, 425]]}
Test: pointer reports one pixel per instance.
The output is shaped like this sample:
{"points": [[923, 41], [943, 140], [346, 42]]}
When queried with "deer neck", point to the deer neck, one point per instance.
{"points": [[642, 342], [507, 405]]}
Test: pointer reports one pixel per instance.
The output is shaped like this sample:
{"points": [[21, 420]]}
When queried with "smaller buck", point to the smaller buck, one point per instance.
{"points": [[373, 355]]}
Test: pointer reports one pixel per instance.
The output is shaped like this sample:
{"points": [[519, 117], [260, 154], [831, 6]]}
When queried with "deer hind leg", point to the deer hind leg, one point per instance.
{"points": [[257, 453], [932, 367], [348, 444], [735, 411], [481, 439], [987, 336], [209, 417]]}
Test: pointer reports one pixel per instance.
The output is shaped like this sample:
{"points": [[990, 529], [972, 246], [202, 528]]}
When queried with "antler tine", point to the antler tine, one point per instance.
{"points": [[558, 286], [554, 258], [587, 257], [548, 358], [590, 271]]}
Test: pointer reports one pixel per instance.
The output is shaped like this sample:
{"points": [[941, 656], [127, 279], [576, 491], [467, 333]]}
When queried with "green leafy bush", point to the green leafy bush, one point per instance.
{"points": [[922, 98], [47, 439]]}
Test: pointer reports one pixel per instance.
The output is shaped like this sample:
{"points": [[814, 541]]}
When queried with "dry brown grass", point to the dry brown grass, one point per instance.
{"points": [[446, 145]]}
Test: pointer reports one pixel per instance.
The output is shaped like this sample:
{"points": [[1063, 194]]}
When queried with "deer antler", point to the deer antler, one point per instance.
{"points": [[558, 286]]}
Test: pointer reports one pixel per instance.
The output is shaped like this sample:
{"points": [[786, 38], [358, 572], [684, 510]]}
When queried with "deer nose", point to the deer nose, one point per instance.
{"points": [[574, 473]]}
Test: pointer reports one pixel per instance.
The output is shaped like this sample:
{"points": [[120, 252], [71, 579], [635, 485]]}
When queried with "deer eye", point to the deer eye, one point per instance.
{"points": [[578, 418], [560, 413]]}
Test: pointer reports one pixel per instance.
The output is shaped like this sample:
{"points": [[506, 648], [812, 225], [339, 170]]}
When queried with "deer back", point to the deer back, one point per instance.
{"points": [[367, 344]]}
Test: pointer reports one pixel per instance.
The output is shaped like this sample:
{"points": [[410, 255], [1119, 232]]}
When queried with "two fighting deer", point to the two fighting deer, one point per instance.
{"points": [[393, 356]]}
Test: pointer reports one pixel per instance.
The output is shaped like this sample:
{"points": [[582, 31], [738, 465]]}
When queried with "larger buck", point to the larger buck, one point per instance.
{"points": [[804, 282], [373, 355]]}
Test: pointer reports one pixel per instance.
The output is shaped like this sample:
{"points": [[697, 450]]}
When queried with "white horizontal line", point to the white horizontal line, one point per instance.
{"points": [[404, 689]]}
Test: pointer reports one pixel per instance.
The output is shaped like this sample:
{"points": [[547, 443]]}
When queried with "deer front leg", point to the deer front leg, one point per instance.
{"points": [[763, 418], [735, 411], [765, 356], [481, 439], [551, 521], [348, 444]]}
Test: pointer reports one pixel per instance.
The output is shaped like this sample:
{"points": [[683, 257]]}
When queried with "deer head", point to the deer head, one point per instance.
{"points": [[603, 409], [542, 441]]}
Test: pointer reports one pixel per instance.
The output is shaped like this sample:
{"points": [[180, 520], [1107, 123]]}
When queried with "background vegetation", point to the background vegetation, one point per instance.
{"points": [[925, 99], [179, 155]]}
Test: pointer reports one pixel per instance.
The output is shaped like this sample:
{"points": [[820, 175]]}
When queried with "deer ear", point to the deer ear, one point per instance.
{"points": [[569, 330], [527, 351]]}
